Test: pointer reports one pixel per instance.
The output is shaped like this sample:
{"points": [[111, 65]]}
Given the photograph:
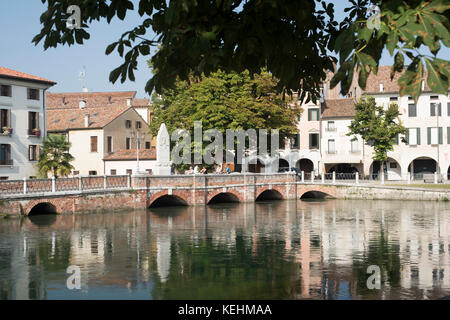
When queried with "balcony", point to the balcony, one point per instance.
{"points": [[8, 162], [34, 132], [330, 129]]}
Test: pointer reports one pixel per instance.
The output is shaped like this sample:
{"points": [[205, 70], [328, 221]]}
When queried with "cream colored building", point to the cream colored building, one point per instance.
{"points": [[96, 124]]}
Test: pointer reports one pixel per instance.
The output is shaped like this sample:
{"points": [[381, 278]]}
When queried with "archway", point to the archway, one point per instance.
{"points": [[392, 169], [315, 195], [283, 165], [168, 201], [305, 165], [422, 165], [256, 166], [269, 195], [42, 208], [224, 197]]}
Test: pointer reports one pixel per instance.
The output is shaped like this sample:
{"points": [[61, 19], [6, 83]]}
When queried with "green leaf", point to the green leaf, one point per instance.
{"points": [[437, 82]]}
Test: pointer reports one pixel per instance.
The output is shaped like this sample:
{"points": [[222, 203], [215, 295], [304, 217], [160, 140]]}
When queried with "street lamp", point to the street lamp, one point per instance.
{"points": [[137, 135]]}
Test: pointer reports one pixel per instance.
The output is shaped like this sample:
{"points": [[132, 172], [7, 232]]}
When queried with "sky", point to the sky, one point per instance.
{"points": [[20, 20]]}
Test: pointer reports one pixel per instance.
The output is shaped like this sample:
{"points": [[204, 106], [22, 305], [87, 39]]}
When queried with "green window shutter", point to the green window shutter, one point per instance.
{"points": [[440, 135], [310, 141], [309, 114], [418, 136], [448, 135], [429, 135], [407, 136]]}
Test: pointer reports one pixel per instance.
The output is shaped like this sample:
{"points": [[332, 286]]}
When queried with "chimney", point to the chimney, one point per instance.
{"points": [[423, 85], [82, 104], [85, 89], [86, 120], [381, 87], [64, 101], [109, 99], [129, 102]]}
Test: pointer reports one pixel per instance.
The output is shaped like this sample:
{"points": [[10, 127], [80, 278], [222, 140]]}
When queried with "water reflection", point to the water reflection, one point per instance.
{"points": [[270, 250]]}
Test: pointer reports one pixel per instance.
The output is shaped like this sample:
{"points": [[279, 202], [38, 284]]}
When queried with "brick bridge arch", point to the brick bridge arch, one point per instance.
{"points": [[215, 192], [180, 194], [56, 205], [279, 189], [327, 190]]}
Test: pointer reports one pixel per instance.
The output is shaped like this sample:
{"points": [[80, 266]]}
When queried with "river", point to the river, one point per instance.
{"points": [[316, 249]]}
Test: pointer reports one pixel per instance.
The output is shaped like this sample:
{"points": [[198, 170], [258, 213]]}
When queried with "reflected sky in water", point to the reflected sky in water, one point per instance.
{"points": [[273, 250]]}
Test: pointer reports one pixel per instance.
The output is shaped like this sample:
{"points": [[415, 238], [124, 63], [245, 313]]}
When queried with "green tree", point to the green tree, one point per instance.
{"points": [[294, 40], [55, 157], [226, 101], [378, 126]]}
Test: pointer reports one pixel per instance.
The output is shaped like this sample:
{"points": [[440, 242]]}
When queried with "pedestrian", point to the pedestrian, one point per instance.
{"points": [[203, 171], [190, 171], [196, 170], [219, 169], [228, 170]]}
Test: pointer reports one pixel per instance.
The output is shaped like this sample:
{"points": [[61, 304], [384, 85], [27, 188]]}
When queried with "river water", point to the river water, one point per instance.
{"points": [[272, 250]]}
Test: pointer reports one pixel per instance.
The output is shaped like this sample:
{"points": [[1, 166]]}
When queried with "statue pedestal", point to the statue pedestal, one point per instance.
{"points": [[162, 152]]}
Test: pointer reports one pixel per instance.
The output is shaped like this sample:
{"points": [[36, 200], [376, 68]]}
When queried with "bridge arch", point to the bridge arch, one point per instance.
{"points": [[223, 196], [164, 199], [43, 208], [269, 194], [313, 194]]}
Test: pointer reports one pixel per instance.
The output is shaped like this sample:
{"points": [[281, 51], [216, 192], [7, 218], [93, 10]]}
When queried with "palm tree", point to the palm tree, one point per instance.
{"points": [[55, 157]]}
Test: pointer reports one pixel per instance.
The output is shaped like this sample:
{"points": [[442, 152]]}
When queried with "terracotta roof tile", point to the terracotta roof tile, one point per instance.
{"points": [[5, 72], [140, 102], [130, 154], [338, 108], [65, 119], [93, 99]]}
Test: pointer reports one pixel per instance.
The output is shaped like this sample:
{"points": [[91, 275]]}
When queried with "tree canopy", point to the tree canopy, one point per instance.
{"points": [[226, 101], [295, 40], [377, 125], [55, 157]]}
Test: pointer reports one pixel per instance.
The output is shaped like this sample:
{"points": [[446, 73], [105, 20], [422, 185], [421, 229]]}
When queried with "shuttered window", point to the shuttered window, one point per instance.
{"points": [[94, 144], [109, 144], [412, 110], [314, 141], [5, 91], [33, 152], [434, 135], [313, 114], [128, 143], [33, 94], [5, 116]]}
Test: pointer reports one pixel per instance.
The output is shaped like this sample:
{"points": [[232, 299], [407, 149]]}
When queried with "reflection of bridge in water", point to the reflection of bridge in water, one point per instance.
{"points": [[319, 249]]}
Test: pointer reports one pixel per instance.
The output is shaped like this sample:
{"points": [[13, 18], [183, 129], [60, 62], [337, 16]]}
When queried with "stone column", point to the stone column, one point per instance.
{"points": [[162, 151]]}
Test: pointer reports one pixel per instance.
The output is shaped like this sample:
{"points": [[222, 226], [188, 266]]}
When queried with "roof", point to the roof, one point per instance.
{"points": [[339, 108], [64, 112], [68, 100], [65, 119], [140, 102], [384, 76], [130, 154], [13, 74]]}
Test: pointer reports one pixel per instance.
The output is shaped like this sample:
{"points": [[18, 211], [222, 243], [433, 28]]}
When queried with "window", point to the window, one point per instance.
{"points": [[396, 139], [295, 142], [448, 135], [331, 126], [392, 99], [5, 155], [113, 172], [393, 165], [33, 152], [138, 125], [93, 173], [33, 94], [75, 173], [435, 109], [331, 146], [313, 114], [128, 124], [4, 118], [128, 143], [313, 141], [4, 178], [448, 109], [5, 91], [355, 146], [434, 98], [434, 135], [412, 110], [129, 171], [109, 146], [148, 145], [33, 123], [94, 144], [149, 171], [413, 136]]}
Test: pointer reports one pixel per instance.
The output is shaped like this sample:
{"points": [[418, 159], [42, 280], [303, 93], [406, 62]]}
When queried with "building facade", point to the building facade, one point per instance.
{"points": [[97, 124], [22, 122]]}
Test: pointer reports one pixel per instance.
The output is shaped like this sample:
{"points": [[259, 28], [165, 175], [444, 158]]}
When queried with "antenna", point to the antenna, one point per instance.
{"points": [[82, 78]]}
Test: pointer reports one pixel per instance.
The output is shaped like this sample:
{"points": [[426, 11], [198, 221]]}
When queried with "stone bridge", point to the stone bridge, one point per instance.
{"points": [[84, 194], [110, 193]]}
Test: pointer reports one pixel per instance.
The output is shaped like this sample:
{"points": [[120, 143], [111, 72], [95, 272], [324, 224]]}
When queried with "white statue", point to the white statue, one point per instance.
{"points": [[162, 151]]}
